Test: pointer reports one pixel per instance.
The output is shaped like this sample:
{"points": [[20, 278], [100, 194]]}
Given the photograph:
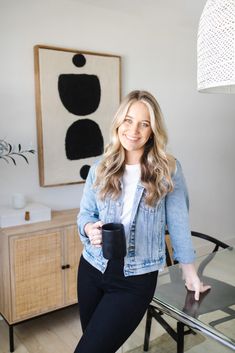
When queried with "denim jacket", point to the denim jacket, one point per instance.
{"points": [[146, 239]]}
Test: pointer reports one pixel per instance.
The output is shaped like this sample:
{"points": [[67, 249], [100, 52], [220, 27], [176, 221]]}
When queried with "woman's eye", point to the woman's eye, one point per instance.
{"points": [[145, 125], [128, 121]]}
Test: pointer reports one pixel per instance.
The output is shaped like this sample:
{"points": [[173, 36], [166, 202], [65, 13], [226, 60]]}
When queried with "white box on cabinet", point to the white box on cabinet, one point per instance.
{"points": [[35, 213]]}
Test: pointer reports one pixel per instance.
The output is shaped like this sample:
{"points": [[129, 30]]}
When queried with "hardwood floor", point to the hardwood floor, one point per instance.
{"points": [[60, 331], [56, 332]]}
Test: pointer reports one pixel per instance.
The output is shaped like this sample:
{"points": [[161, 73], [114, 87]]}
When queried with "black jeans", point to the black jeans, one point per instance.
{"points": [[111, 305]]}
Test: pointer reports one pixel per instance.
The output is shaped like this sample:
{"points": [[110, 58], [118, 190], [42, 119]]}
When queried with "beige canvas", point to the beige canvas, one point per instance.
{"points": [[55, 118]]}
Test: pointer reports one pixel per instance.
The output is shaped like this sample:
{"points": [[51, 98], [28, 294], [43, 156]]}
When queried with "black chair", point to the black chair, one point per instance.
{"points": [[156, 313]]}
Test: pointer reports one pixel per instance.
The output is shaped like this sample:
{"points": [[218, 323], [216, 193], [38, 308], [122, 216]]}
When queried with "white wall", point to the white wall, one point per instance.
{"points": [[158, 48]]}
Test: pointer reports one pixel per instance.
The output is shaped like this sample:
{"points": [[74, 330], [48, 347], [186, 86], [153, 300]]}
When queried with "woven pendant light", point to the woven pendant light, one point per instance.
{"points": [[216, 47]]}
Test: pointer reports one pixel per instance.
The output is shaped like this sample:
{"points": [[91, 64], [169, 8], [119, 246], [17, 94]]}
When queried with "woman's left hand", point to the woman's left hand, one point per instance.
{"points": [[192, 281], [197, 286]]}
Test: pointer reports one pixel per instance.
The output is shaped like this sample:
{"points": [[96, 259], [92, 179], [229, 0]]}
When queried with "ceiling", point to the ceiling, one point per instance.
{"points": [[186, 11]]}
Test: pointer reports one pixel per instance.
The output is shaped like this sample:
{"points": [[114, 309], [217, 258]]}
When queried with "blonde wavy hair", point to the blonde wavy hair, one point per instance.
{"points": [[156, 165]]}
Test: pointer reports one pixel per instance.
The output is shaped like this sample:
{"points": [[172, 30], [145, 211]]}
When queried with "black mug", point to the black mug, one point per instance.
{"points": [[113, 241]]}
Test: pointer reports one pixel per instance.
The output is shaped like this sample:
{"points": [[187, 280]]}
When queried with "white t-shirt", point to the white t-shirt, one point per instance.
{"points": [[131, 177]]}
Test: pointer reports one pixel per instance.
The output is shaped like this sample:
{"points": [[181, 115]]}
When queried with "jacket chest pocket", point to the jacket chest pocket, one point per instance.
{"points": [[103, 206], [107, 210], [150, 209], [144, 207]]}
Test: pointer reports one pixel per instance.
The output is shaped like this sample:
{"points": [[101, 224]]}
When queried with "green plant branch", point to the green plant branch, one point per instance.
{"points": [[7, 152]]}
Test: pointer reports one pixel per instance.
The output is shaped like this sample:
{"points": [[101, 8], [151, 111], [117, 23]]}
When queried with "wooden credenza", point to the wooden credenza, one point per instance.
{"points": [[38, 268]]}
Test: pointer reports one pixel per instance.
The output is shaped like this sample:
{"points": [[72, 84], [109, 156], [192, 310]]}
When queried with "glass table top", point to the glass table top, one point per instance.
{"points": [[214, 313]]}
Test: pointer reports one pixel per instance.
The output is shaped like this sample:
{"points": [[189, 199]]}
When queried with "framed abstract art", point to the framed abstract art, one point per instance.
{"points": [[77, 94]]}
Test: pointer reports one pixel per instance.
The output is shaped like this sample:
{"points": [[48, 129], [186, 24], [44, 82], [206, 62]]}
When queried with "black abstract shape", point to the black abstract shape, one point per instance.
{"points": [[79, 60], [83, 140], [80, 94], [84, 171]]}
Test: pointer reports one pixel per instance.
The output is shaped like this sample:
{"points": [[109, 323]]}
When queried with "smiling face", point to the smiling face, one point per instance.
{"points": [[135, 131]]}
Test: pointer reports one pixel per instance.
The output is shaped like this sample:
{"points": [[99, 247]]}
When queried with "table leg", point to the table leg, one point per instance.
{"points": [[180, 337]]}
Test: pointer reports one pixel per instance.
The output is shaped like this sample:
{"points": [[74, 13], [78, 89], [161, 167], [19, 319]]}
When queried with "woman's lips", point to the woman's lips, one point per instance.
{"points": [[132, 139]]}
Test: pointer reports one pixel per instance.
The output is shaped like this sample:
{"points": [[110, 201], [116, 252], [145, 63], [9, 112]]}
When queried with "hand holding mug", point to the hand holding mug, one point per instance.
{"points": [[93, 231]]}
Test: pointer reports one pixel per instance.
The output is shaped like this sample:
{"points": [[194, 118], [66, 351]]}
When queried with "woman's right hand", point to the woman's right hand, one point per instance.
{"points": [[93, 231]]}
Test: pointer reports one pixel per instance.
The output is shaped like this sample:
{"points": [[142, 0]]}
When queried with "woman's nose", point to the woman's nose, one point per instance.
{"points": [[134, 128]]}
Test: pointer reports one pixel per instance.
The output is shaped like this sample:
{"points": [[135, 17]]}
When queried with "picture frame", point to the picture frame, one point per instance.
{"points": [[77, 94]]}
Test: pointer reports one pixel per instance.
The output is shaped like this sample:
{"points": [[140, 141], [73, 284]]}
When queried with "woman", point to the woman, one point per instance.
{"points": [[138, 184]]}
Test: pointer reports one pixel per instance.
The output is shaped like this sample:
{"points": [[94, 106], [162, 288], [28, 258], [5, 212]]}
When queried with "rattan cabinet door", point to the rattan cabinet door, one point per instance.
{"points": [[36, 275], [72, 253]]}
